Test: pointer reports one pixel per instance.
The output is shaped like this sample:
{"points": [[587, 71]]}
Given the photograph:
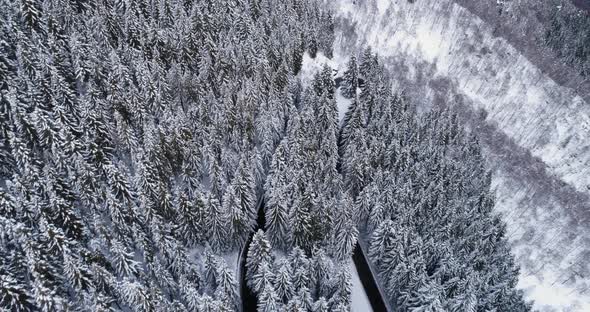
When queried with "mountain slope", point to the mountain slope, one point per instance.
{"points": [[534, 130]]}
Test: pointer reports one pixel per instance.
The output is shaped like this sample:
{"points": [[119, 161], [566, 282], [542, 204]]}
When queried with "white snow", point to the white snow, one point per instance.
{"points": [[360, 302], [232, 259], [343, 104], [430, 42], [547, 296], [436, 40], [311, 66]]}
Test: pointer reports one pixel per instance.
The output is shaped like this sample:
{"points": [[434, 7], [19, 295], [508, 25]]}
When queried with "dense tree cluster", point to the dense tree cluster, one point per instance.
{"points": [[138, 137], [557, 27], [134, 131], [296, 282], [565, 28], [305, 205], [307, 215], [423, 200], [568, 35]]}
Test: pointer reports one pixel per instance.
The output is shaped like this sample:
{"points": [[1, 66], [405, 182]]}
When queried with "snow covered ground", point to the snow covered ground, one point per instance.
{"points": [[535, 132], [343, 104], [313, 65], [231, 259]]}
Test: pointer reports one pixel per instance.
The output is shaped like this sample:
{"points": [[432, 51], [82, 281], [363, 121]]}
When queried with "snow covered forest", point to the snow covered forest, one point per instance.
{"points": [[423, 199], [233, 155], [528, 108]]}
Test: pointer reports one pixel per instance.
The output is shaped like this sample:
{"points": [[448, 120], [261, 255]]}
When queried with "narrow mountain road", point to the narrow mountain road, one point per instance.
{"points": [[367, 276], [376, 297], [249, 299]]}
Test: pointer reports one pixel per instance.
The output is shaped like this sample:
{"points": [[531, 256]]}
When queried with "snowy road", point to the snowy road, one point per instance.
{"points": [[249, 298]]}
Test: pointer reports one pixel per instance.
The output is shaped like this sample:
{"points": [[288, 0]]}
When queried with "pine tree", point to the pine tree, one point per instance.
{"points": [[263, 279], [15, 295], [301, 216], [321, 305], [295, 305], [137, 296], [341, 289], [278, 223], [238, 221], [123, 259], [350, 82], [227, 289], [282, 283], [426, 299], [322, 268], [345, 233], [31, 13], [324, 83], [259, 253], [269, 300], [298, 51], [190, 219], [216, 222], [211, 275]]}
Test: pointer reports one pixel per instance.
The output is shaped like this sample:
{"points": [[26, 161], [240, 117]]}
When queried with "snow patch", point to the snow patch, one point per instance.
{"points": [[343, 104], [547, 296], [311, 66], [383, 5], [430, 42]]}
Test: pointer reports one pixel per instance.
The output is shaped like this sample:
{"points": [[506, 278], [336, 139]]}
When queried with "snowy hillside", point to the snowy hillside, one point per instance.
{"points": [[536, 132], [236, 155]]}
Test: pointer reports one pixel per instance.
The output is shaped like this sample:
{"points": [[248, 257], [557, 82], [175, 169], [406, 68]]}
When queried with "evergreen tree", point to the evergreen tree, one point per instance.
{"points": [[269, 300], [216, 223], [259, 253], [341, 290], [320, 305], [283, 284], [350, 82], [323, 82], [227, 288], [301, 216], [424, 195], [263, 279], [278, 223]]}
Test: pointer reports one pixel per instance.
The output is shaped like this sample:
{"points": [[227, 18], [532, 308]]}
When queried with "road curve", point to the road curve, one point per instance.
{"points": [[360, 260], [249, 298], [374, 293]]}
